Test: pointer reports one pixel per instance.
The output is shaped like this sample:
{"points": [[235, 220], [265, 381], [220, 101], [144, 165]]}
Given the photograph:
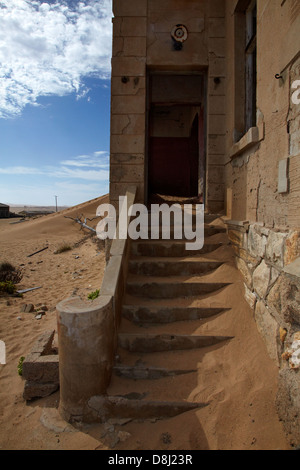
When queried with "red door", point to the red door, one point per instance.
{"points": [[174, 163]]}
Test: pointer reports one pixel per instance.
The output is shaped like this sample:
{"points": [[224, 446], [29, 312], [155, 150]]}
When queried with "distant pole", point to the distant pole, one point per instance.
{"points": [[56, 202]]}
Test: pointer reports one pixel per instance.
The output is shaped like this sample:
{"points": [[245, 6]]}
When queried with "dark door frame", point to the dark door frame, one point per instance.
{"points": [[202, 102]]}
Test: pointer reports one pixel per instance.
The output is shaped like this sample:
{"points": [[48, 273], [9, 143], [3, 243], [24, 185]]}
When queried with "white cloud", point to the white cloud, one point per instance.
{"points": [[99, 159], [84, 167], [91, 175], [48, 48], [20, 170]]}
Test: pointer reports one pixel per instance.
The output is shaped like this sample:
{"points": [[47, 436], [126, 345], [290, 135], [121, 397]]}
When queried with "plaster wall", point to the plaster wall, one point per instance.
{"points": [[254, 174]]}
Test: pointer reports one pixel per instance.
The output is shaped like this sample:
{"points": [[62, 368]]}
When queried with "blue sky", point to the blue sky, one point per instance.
{"points": [[54, 100]]}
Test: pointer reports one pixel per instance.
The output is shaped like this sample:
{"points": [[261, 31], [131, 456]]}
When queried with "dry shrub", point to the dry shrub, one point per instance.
{"points": [[8, 273], [62, 248]]}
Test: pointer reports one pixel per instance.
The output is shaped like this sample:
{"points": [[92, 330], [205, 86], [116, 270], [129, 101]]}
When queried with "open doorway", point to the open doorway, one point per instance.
{"points": [[176, 137]]}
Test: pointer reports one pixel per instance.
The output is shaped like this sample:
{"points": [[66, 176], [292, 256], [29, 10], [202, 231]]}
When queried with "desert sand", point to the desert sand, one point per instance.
{"points": [[239, 382]]}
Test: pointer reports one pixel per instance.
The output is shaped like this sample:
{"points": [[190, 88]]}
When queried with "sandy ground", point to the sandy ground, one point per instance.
{"points": [[80, 271], [238, 380]]}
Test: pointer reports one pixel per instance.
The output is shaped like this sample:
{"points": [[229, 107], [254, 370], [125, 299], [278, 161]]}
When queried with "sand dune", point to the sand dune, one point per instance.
{"points": [[51, 224]]}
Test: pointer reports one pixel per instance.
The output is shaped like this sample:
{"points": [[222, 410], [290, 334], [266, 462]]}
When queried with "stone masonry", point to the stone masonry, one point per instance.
{"points": [[270, 264]]}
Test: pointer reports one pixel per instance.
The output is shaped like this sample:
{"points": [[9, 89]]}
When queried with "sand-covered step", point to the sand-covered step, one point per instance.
{"points": [[169, 288], [179, 232], [179, 359], [211, 219], [171, 266], [155, 343], [147, 373], [116, 407], [156, 315], [171, 248]]}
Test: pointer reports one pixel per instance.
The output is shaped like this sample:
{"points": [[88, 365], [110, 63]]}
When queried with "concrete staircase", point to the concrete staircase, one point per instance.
{"points": [[169, 295]]}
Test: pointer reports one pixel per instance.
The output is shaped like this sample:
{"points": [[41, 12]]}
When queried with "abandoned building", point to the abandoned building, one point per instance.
{"points": [[4, 211], [205, 107]]}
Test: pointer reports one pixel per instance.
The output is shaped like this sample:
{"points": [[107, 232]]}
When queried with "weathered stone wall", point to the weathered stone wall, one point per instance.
{"points": [[128, 98], [141, 42], [262, 186], [270, 263], [216, 107]]}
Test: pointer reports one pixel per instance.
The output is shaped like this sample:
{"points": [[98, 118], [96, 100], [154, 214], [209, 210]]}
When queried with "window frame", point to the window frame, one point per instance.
{"points": [[250, 65], [245, 64]]}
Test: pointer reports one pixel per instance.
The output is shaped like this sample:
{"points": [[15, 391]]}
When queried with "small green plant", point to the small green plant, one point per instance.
{"points": [[20, 365], [7, 287], [94, 295], [63, 248]]}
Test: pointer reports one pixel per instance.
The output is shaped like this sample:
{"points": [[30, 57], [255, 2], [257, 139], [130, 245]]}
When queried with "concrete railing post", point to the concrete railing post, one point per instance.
{"points": [[86, 354]]}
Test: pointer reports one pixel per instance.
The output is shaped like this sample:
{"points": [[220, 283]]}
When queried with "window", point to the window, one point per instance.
{"points": [[250, 66], [245, 67]]}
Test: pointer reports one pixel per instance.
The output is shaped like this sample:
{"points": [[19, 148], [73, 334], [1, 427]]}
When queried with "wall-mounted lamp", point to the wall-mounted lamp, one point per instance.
{"points": [[179, 35]]}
